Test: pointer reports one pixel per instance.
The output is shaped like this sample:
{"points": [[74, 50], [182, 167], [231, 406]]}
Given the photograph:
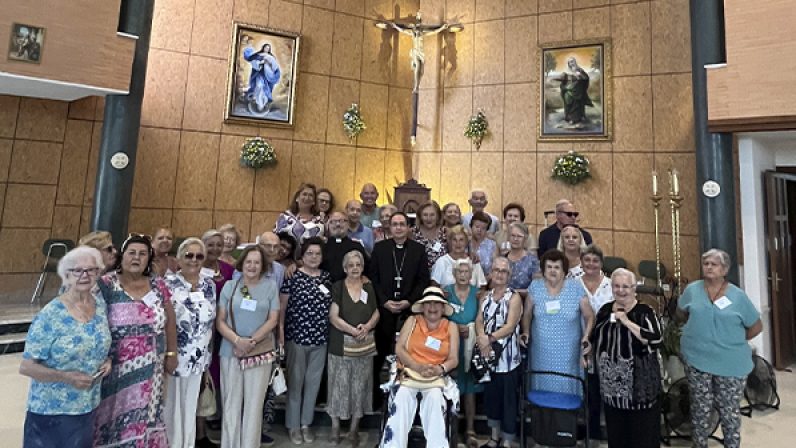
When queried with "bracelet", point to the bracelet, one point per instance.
{"points": [[171, 354]]}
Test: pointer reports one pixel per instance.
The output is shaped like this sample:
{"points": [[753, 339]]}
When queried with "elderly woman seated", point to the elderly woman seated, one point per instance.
{"points": [[427, 350]]}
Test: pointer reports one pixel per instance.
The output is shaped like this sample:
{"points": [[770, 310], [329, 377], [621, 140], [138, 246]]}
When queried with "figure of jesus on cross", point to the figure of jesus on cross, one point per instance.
{"points": [[417, 55]]}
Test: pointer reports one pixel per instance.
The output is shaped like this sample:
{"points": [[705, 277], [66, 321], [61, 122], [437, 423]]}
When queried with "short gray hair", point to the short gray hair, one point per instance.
{"points": [[69, 260], [457, 264], [619, 272], [188, 242], [353, 254], [505, 260], [724, 257]]}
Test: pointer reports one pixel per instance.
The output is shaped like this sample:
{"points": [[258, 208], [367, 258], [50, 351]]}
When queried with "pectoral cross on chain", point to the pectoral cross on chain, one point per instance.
{"points": [[398, 279]]}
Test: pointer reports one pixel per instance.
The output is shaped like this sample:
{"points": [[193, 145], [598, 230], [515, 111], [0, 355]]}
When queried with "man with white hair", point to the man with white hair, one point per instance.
{"points": [[566, 215], [478, 202]]}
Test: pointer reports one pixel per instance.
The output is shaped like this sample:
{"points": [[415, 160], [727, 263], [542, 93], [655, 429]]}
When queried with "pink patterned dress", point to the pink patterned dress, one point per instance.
{"points": [[131, 412]]}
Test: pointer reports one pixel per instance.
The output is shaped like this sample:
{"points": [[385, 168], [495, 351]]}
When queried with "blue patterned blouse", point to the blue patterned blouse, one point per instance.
{"points": [[59, 341]]}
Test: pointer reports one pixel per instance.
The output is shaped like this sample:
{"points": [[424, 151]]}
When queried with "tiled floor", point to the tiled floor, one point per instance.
{"points": [[769, 429]]}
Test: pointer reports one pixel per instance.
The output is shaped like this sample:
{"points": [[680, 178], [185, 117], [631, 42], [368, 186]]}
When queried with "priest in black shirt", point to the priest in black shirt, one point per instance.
{"points": [[337, 245], [399, 272]]}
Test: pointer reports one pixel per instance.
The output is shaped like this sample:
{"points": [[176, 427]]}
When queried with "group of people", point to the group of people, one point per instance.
{"points": [[121, 356]]}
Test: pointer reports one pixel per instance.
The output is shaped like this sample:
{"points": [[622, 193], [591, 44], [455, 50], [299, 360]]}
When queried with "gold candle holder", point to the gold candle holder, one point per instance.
{"points": [[656, 204], [675, 200]]}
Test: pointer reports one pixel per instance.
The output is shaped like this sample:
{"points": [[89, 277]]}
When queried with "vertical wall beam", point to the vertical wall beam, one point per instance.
{"points": [[713, 151], [114, 187]]}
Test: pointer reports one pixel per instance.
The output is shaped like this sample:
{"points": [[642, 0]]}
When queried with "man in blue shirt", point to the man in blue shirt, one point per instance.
{"points": [[356, 230]]}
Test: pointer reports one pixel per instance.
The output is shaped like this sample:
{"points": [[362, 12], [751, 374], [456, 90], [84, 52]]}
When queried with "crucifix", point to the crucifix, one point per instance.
{"points": [[418, 30]]}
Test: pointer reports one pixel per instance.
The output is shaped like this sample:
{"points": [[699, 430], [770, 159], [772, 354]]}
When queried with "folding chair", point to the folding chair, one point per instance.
{"points": [[53, 250]]}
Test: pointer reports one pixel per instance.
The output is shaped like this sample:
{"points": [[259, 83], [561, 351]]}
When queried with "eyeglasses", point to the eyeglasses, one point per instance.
{"points": [[194, 256], [79, 272], [571, 214], [244, 291], [501, 271]]}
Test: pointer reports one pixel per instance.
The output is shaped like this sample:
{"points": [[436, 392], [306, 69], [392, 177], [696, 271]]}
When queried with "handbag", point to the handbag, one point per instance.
{"points": [[354, 348], [262, 352], [207, 398], [481, 366]]}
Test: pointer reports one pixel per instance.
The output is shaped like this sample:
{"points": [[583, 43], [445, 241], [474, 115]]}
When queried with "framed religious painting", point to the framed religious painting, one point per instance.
{"points": [[26, 43], [261, 81], [575, 91]]}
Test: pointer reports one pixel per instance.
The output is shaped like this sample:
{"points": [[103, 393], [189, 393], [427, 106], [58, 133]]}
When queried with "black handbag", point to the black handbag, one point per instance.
{"points": [[481, 366]]}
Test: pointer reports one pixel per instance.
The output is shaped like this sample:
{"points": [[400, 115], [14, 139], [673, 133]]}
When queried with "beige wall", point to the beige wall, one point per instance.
{"points": [[755, 90], [81, 44], [497, 70], [187, 173]]}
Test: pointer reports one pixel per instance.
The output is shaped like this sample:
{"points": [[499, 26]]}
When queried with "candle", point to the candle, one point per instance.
{"points": [[675, 183], [654, 183]]}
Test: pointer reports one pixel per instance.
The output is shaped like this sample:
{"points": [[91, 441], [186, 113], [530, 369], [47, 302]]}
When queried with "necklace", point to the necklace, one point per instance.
{"points": [[83, 312], [714, 297], [398, 269]]}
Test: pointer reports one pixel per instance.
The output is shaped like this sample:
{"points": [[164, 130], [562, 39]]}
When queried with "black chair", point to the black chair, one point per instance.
{"points": [[610, 264], [648, 273], [553, 415], [53, 250]]}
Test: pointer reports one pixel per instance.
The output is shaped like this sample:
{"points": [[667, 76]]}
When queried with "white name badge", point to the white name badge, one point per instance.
{"points": [[248, 304], [723, 302], [207, 272], [197, 296], [437, 246], [363, 297], [433, 343], [553, 306], [323, 289]]}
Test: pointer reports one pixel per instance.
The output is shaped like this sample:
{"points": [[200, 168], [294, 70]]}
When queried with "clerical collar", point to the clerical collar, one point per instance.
{"points": [[399, 245], [338, 240]]}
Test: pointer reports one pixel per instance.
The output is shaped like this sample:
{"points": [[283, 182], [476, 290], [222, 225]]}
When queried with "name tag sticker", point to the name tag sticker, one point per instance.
{"points": [[207, 272], [437, 246], [323, 289], [433, 343], [723, 302], [553, 306], [363, 297], [197, 296], [248, 304]]}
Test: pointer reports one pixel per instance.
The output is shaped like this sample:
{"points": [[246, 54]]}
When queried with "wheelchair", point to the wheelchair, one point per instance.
{"points": [[554, 415], [416, 437]]}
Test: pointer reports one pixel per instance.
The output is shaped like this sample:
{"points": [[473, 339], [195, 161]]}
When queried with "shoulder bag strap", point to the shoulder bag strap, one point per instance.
{"points": [[229, 306]]}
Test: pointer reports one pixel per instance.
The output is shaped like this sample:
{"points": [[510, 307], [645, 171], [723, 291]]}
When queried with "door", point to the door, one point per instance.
{"points": [[780, 262]]}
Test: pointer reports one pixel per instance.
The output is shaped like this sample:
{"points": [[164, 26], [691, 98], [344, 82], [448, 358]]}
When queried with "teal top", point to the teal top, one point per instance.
{"points": [[714, 338], [59, 341], [463, 314]]}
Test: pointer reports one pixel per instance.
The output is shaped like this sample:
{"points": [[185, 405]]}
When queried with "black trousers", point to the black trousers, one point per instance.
{"points": [[595, 404], [633, 429]]}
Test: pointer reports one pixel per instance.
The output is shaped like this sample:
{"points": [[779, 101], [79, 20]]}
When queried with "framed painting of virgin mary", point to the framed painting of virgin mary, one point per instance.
{"points": [[261, 83]]}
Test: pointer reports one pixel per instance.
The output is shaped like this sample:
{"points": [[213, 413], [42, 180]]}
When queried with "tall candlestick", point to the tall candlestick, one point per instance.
{"points": [[654, 183], [675, 183]]}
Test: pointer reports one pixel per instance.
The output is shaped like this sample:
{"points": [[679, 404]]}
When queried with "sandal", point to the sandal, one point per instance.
{"points": [[492, 443], [470, 441]]}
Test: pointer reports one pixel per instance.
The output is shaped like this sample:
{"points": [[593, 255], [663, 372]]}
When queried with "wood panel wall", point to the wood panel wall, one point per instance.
{"points": [[755, 91], [81, 44]]}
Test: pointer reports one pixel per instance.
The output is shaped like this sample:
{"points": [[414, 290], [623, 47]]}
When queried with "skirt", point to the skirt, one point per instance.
{"points": [[46, 431], [349, 392]]}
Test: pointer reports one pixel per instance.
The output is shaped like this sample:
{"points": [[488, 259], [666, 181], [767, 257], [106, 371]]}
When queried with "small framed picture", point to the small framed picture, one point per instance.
{"points": [[575, 91], [26, 43], [263, 68]]}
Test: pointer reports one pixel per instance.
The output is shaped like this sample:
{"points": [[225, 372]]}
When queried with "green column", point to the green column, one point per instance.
{"points": [[114, 187], [713, 150]]}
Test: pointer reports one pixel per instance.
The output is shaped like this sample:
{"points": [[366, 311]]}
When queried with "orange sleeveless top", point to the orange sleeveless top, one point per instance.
{"points": [[420, 347]]}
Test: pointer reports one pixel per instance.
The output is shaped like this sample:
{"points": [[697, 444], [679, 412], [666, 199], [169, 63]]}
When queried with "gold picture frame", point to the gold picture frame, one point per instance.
{"points": [[575, 103], [262, 74]]}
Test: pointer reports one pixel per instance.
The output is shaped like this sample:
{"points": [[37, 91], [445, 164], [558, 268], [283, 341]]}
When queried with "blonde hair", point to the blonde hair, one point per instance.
{"points": [[98, 240], [560, 245], [230, 228]]}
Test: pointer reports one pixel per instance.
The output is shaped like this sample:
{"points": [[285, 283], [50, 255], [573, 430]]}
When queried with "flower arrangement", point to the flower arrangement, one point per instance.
{"points": [[571, 168], [353, 124], [477, 128], [257, 153]]}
